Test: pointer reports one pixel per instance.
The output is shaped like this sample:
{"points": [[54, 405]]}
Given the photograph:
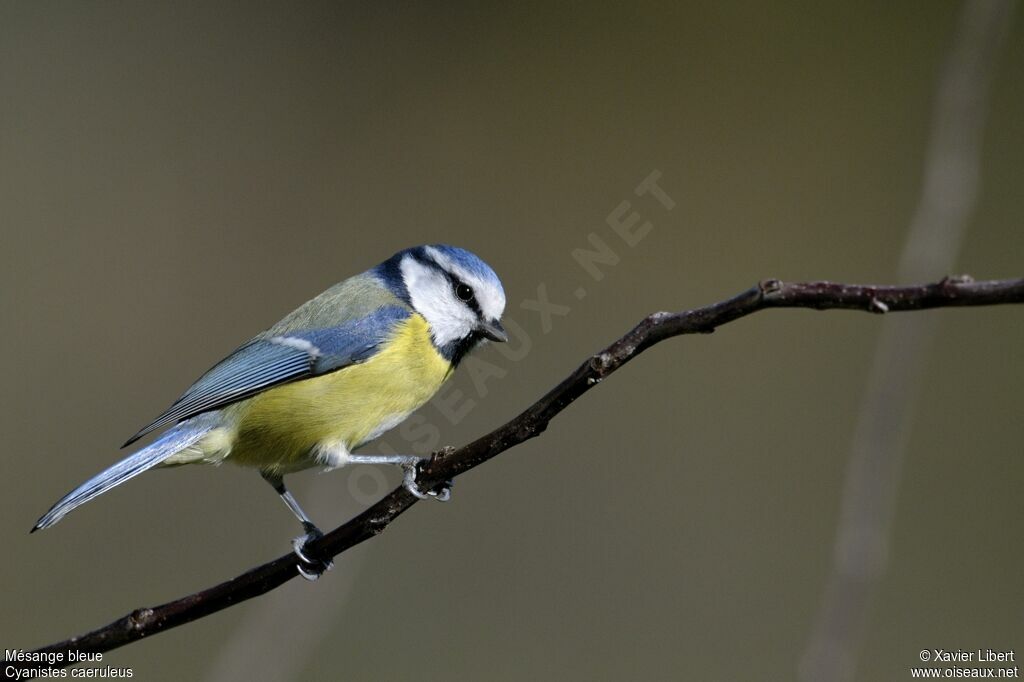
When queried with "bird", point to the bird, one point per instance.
{"points": [[331, 376]]}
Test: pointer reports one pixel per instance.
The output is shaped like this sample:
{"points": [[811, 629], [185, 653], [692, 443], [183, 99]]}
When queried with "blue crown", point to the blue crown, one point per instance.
{"points": [[467, 260], [390, 271]]}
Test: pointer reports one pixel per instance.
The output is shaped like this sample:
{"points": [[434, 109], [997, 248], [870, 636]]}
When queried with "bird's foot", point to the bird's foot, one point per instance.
{"points": [[310, 566], [442, 493], [410, 465]]}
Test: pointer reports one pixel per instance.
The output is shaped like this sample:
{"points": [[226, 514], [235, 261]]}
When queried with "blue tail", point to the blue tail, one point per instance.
{"points": [[172, 442]]}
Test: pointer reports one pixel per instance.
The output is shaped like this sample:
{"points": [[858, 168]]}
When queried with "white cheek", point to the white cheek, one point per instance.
{"points": [[492, 302], [432, 297]]}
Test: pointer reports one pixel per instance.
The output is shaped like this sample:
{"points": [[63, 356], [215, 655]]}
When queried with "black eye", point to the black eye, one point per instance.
{"points": [[463, 292]]}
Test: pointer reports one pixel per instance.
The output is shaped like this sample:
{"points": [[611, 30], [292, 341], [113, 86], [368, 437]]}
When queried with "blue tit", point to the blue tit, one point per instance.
{"points": [[332, 375]]}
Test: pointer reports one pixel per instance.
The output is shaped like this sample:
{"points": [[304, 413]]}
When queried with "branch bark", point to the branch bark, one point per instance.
{"points": [[450, 462]]}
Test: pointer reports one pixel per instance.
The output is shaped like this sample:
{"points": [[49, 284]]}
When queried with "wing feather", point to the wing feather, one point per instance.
{"points": [[266, 362]]}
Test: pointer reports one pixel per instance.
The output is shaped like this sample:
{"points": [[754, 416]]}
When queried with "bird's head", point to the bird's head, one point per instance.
{"points": [[457, 293]]}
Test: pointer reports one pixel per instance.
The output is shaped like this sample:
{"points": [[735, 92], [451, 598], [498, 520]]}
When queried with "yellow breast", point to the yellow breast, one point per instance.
{"points": [[281, 428]]}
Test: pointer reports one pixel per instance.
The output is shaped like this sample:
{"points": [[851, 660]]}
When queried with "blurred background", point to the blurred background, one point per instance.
{"points": [[175, 177]]}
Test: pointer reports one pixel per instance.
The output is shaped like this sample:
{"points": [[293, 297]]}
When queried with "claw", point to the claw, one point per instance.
{"points": [[445, 493], [313, 574], [310, 566], [409, 482]]}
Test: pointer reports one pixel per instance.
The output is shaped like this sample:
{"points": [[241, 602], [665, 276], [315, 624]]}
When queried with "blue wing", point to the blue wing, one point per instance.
{"points": [[266, 362]]}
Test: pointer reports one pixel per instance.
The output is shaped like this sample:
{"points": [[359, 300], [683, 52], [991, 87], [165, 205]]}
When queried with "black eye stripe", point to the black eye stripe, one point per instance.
{"points": [[457, 285]]}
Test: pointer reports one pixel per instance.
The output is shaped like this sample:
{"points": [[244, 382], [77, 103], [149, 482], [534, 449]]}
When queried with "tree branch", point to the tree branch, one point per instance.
{"points": [[450, 462]]}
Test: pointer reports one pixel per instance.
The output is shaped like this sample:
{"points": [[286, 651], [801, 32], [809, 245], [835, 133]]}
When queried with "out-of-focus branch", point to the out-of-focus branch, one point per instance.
{"points": [[449, 463], [950, 184]]}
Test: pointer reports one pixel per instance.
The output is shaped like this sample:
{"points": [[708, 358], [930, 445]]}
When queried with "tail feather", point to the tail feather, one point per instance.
{"points": [[172, 442]]}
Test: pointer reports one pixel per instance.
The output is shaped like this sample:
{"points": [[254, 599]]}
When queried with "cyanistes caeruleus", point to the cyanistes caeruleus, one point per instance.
{"points": [[334, 374]]}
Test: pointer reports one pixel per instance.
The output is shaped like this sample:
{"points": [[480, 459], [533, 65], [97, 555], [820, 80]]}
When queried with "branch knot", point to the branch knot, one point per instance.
{"points": [[140, 618]]}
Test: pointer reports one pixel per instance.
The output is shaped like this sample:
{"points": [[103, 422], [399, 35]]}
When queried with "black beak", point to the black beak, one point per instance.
{"points": [[493, 331]]}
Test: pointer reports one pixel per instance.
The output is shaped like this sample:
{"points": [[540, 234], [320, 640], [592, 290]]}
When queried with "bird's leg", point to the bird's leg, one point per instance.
{"points": [[310, 567], [410, 465]]}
